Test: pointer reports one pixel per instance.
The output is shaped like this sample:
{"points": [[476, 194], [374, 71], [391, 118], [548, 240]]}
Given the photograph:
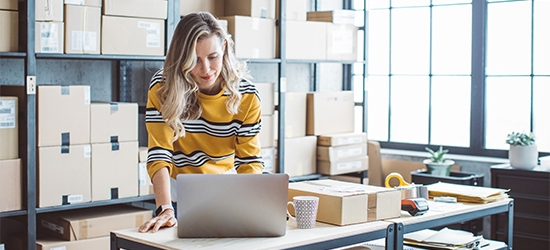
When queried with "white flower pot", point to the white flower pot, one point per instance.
{"points": [[439, 169], [523, 157]]}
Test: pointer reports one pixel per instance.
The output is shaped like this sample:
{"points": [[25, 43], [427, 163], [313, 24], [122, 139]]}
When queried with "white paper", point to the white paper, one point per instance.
{"points": [[7, 114], [49, 38], [83, 40]]}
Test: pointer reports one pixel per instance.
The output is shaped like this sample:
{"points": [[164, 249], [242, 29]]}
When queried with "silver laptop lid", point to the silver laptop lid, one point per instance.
{"points": [[231, 205]]}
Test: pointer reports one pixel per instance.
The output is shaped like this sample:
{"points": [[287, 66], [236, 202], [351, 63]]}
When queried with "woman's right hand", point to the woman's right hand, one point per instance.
{"points": [[165, 219]]}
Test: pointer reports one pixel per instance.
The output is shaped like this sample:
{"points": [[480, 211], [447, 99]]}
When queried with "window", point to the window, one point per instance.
{"points": [[462, 74]]}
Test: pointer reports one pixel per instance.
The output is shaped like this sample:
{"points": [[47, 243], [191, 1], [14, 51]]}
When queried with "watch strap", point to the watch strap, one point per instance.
{"points": [[162, 208]]}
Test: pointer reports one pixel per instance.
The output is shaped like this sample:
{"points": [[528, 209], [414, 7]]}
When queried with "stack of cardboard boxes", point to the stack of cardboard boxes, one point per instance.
{"points": [[84, 229], [9, 25], [10, 163]]}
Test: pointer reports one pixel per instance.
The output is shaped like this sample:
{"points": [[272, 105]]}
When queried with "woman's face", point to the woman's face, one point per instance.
{"points": [[209, 64]]}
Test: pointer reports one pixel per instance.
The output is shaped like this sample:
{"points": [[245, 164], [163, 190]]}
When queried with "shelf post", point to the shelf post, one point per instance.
{"points": [[27, 8], [281, 86]]}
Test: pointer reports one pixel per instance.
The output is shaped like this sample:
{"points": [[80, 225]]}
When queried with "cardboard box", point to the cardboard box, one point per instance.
{"points": [[342, 42], [49, 37], [8, 5], [268, 155], [144, 181], [295, 114], [142, 156], [90, 3], [267, 134], [49, 10], [63, 175], [254, 37], [9, 128], [343, 166], [216, 7], [350, 178], [330, 112], [296, 10], [114, 171], [267, 97], [367, 203], [11, 185], [113, 122], [88, 223], [252, 8], [310, 45], [20, 92], [154, 9], [341, 139], [82, 29], [300, 156], [336, 153], [132, 36], [63, 115], [50, 243], [9, 25], [333, 16]]}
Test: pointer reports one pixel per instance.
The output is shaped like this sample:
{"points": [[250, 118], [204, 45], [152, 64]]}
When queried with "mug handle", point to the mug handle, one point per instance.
{"points": [[287, 212]]}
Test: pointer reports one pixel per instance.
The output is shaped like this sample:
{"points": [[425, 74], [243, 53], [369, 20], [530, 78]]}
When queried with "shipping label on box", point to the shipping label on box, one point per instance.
{"points": [[344, 203], [87, 223], [49, 37], [343, 166], [341, 139], [90, 3], [9, 138], [9, 25], [11, 185], [113, 170], [341, 42]]}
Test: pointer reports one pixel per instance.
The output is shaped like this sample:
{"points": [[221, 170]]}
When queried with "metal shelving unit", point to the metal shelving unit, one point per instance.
{"points": [[29, 156]]}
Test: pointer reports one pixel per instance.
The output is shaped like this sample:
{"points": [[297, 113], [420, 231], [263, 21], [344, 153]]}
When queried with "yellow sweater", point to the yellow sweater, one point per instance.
{"points": [[215, 143]]}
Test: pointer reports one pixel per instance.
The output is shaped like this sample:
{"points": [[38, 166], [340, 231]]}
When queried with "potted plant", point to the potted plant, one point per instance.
{"points": [[523, 151], [437, 163]]}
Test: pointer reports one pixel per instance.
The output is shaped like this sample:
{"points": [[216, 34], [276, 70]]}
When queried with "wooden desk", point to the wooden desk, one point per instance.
{"points": [[323, 236], [441, 214]]}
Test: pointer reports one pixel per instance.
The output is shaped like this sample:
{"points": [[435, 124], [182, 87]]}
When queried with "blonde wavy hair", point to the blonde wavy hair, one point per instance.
{"points": [[179, 95]]}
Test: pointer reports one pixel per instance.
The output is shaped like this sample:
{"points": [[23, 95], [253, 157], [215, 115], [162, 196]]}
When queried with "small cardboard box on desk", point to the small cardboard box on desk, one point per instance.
{"points": [[344, 203]]}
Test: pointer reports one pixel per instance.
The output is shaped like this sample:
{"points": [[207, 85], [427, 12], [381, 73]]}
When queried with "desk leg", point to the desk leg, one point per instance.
{"points": [[390, 237], [398, 238], [114, 243], [510, 225]]}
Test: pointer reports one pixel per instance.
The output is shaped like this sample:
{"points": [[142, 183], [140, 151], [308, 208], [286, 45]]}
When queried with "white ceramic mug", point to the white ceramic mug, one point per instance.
{"points": [[305, 208]]}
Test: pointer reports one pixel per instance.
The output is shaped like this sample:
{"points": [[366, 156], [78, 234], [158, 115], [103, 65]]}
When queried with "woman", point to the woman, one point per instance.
{"points": [[202, 115]]}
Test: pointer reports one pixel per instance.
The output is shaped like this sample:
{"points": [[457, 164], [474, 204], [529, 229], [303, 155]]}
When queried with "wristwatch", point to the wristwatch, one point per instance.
{"points": [[162, 208]]}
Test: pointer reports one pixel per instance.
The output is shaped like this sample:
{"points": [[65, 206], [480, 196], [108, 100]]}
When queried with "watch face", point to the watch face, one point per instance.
{"points": [[158, 211]]}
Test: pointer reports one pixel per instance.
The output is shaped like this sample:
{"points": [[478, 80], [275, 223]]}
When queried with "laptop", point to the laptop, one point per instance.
{"points": [[231, 205]]}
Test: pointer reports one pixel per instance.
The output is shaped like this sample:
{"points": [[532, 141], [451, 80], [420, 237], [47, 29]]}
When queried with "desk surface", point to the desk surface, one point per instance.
{"points": [[167, 237]]}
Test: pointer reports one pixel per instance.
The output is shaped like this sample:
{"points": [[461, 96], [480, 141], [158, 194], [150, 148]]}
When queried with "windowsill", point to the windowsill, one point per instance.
{"points": [[455, 157]]}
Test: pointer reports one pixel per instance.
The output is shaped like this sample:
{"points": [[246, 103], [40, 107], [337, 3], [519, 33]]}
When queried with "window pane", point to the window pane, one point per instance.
{"points": [[410, 42], [406, 3], [542, 38], [508, 106], [409, 109], [541, 110], [452, 39], [378, 107], [375, 4], [357, 88], [450, 111], [358, 113], [509, 38], [358, 4], [378, 42], [435, 2]]}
